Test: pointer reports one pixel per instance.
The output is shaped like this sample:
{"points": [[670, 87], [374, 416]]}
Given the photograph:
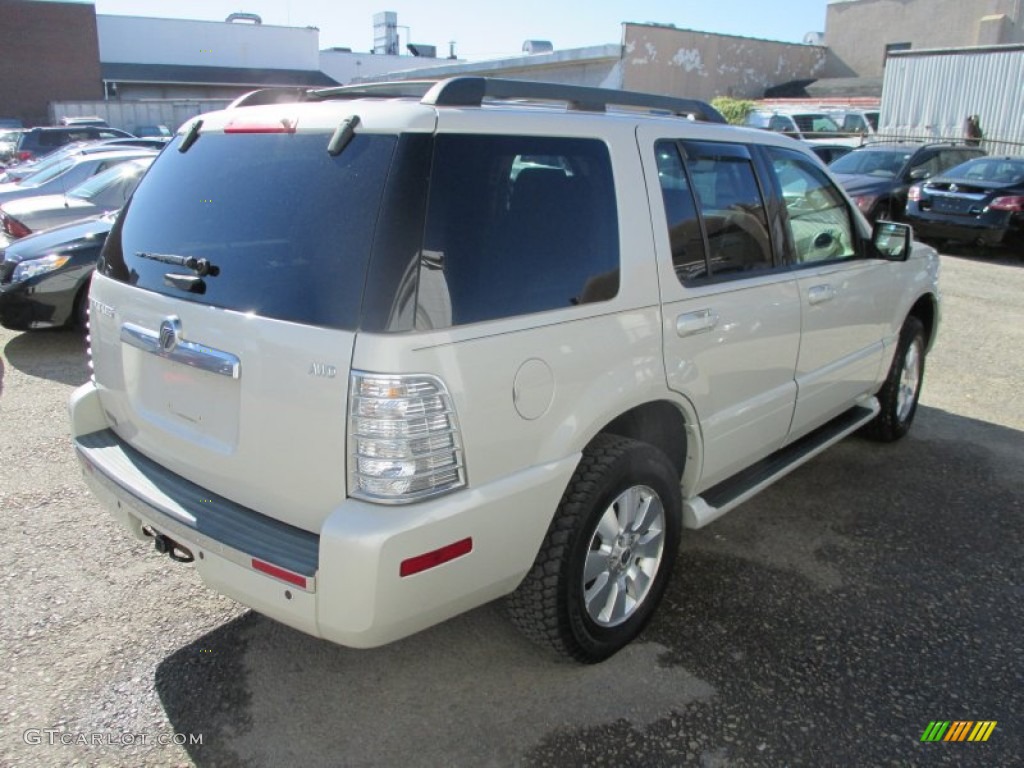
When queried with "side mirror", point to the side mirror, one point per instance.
{"points": [[891, 240], [919, 173]]}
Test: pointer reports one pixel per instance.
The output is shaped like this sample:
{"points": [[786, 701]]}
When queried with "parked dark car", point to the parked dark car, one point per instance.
{"points": [[980, 201], [106, 191], [36, 142], [878, 176], [44, 278]]}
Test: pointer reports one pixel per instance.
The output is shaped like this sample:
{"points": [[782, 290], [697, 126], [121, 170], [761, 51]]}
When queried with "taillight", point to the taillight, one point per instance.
{"points": [[864, 202], [914, 193], [13, 227], [404, 441], [24, 155], [1013, 203]]}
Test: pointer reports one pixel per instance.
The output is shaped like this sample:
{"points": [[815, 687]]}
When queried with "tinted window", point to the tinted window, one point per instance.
{"points": [[1002, 170], [517, 224], [713, 206], [949, 158], [819, 223], [885, 164], [684, 231], [288, 226], [731, 207]]}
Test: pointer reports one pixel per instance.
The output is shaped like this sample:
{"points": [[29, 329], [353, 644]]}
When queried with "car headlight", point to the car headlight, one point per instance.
{"points": [[35, 267]]}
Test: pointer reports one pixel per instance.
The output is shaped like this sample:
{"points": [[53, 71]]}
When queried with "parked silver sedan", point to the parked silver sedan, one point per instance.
{"points": [[64, 176], [104, 192]]}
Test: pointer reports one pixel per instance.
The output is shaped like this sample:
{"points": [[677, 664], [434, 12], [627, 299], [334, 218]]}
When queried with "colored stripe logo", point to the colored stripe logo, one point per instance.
{"points": [[958, 730]]}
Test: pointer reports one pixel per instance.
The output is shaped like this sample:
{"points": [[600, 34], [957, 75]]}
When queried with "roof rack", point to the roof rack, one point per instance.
{"points": [[475, 91]]}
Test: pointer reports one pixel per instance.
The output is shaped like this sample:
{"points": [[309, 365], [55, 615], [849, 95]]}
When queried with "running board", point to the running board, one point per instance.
{"points": [[719, 499]]}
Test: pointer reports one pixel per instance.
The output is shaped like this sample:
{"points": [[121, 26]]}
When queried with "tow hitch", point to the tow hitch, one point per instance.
{"points": [[165, 545]]}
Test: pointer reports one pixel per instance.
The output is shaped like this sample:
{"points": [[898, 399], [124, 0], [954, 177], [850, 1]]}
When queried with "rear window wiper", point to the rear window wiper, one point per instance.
{"points": [[201, 266]]}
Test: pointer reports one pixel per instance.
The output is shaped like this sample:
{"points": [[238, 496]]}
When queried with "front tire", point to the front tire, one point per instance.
{"points": [[899, 395], [608, 554]]}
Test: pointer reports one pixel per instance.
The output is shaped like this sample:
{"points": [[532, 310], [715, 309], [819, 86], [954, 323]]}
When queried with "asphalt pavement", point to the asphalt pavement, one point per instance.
{"points": [[827, 622]]}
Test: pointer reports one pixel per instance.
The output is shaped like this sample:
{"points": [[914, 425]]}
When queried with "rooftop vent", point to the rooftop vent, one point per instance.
{"points": [[426, 51], [253, 17], [538, 46]]}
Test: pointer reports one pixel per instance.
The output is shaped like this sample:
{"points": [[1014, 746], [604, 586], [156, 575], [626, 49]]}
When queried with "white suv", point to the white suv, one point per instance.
{"points": [[378, 357]]}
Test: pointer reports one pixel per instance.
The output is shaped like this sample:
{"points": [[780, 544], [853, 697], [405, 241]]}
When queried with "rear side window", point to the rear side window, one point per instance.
{"points": [[717, 221], [287, 227], [515, 225]]}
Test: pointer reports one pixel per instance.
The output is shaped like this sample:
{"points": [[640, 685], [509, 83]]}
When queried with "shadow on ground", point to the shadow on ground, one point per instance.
{"points": [[826, 622], [56, 355]]}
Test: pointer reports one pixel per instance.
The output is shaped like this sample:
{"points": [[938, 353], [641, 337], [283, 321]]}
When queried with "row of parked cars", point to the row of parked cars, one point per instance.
{"points": [[946, 191], [60, 191]]}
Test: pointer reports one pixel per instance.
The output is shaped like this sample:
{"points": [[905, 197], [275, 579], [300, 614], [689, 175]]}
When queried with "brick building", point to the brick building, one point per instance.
{"points": [[50, 51]]}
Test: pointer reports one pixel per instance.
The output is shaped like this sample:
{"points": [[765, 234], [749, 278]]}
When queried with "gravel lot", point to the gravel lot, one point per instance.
{"points": [[826, 622]]}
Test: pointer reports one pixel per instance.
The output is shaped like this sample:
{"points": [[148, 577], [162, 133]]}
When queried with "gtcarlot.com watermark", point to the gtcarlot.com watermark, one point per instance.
{"points": [[58, 737]]}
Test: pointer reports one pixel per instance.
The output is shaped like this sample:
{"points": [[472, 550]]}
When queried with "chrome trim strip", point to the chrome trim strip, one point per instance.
{"points": [[185, 352]]}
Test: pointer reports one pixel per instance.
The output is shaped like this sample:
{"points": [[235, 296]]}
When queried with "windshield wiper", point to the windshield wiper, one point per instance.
{"points": [[201, 266]]}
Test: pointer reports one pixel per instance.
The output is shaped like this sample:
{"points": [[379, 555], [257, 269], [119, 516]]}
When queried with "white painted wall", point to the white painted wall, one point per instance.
{"points": [[138, 40]]}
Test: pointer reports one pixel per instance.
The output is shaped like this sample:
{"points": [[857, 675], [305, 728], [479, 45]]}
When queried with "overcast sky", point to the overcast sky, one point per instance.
{"points": [[485, 30]]}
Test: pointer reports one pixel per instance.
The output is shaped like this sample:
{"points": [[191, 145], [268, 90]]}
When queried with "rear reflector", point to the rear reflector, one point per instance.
{"points": [[279, 573], [433, 559], [284, 125]]}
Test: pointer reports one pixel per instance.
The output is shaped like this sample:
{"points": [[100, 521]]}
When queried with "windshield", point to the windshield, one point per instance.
{"points": [[871, 162], [288, 226], [47, 172], [102, 182], [1001, 170]]}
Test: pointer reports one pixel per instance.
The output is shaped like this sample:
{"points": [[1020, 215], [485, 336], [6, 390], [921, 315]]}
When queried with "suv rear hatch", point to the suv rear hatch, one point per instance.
{"points": [[225, 308]]}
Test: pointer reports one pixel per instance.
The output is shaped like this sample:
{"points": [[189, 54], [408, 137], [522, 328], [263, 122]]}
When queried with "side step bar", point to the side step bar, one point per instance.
{"points": [[719, 499]]}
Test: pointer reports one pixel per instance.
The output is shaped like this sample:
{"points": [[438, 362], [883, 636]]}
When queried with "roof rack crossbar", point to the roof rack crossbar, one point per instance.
{"points": [[475, 91], [397, 89]]}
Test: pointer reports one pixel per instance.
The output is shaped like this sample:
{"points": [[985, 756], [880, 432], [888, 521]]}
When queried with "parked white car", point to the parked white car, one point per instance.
{"points": [[376, 358]]}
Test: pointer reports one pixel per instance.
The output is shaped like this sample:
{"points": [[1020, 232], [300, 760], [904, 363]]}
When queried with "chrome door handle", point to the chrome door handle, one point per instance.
{"points": [[820, 293], [701, 321]]}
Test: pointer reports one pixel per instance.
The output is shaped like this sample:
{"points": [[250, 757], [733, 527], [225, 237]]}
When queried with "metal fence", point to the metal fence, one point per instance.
{"points": [[126, 115]]}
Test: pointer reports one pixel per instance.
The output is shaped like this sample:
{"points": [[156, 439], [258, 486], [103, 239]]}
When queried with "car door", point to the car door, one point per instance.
{"points": [[846, 295], [730, 315]]}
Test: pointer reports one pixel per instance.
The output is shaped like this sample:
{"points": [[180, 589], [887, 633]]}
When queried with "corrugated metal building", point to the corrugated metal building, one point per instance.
{"points": [[929, 94]]}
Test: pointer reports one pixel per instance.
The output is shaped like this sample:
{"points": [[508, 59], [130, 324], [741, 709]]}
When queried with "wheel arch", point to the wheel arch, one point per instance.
{"points": [[668, 426], [926, 310]]}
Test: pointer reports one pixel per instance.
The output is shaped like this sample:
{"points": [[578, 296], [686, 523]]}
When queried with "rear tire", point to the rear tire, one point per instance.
{"points": [[607, 557], [899, 395]]}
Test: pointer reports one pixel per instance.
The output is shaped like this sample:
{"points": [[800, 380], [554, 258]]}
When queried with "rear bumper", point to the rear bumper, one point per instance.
{"points": [[991, 230], [342, 583]]}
